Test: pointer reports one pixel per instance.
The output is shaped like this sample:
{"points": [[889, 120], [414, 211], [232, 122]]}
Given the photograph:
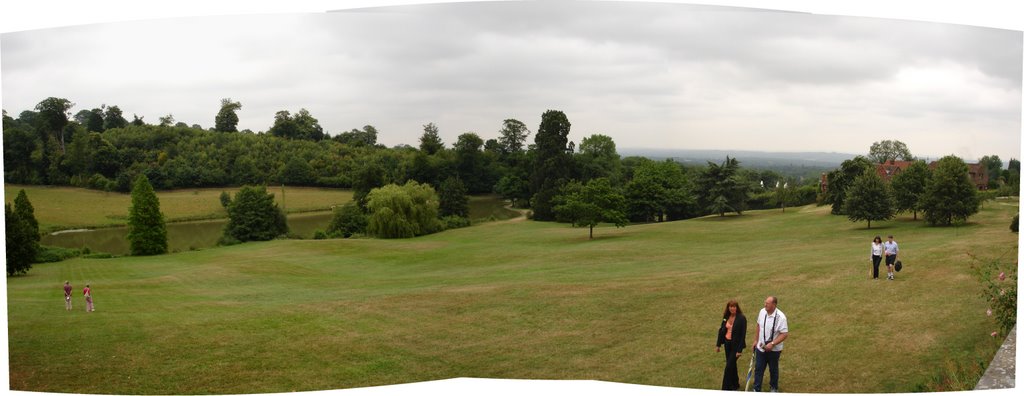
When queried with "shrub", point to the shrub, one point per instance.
{"points": [[762, 200], [347, 220], [225, 199], [99, 256], [999, 282], [253, 216], [452, 222], [227, 240], [100, 182], [53, 254]]}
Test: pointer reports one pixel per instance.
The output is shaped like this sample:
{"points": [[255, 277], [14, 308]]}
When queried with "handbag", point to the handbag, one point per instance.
{"points": [[899, 265]]}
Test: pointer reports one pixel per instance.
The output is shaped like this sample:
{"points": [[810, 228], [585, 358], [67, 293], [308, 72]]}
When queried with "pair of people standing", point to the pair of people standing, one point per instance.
{"points": [[772, 330], [889, 250], [87, 292]]}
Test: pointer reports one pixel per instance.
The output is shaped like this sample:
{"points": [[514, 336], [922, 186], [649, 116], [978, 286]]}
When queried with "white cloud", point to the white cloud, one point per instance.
{"points": [[654, 75]]}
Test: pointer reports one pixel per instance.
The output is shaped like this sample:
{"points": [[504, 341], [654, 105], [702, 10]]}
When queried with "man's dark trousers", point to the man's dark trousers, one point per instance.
{"points": [[770, 359]]}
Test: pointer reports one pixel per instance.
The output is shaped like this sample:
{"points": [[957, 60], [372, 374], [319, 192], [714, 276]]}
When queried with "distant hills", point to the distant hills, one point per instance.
{"points": [[750, 159]]}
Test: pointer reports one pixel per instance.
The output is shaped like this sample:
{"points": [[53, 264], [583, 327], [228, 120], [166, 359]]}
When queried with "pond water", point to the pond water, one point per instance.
{"points": [[180, 236]]}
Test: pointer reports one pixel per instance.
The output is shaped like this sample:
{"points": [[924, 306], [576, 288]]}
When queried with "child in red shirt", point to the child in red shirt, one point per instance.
{"points": [[88, 299]]}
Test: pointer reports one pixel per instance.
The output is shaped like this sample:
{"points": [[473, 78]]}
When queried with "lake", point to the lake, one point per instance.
{"points": [[181, 236]]}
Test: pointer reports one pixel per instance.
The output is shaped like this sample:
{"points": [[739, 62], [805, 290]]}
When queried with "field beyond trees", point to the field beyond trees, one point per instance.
{"points": [[59, 208], [530, 300]]}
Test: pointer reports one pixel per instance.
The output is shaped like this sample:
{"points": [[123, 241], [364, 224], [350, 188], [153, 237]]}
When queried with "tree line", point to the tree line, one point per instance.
{"points": [[100, 149], [407, 191], [945, 195]]}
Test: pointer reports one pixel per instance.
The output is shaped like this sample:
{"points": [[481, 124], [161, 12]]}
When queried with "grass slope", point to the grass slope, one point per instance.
{"points": [[70, 207], [531, 300]]}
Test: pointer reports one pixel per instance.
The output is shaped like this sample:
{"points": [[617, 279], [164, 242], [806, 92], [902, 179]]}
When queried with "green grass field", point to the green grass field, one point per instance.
{"points": [[68, 207], [515, 299]]}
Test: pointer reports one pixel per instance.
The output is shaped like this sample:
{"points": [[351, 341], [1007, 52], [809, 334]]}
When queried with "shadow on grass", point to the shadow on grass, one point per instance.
{"points": [[921, 223], [727, 217]]}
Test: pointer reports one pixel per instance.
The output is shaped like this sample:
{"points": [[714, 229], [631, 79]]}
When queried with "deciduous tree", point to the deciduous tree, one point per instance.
{"points": [[597, 157], [908, 187], [113, 118], [403, 211], [993, 168], [513, 187], [453, 199], [869, 198], [53, 116], [297, 172], [950, 195], [889, 150], [227, 118], [839, 179], [596, 202], [302, 126], [513, 135]]}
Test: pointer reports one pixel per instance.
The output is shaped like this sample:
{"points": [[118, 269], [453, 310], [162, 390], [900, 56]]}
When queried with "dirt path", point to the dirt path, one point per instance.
{"points": [[521, 217]]}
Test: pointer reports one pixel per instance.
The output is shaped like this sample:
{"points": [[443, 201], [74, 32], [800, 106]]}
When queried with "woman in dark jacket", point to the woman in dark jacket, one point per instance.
{"points": [[732, 334]]}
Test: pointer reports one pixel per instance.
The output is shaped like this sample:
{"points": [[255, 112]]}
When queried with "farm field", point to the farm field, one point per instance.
{"points": [[69, 207], [524, 299]]}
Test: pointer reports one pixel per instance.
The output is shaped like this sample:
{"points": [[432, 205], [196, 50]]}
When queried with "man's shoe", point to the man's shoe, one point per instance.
{"points": [[774, 390]]}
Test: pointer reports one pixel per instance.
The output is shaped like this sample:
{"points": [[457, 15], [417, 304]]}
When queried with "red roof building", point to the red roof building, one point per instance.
{"points": [[977, 173], [890, 169]]}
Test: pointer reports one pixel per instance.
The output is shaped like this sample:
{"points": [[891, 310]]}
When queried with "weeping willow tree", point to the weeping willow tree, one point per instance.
{"points": [[402, 211]]}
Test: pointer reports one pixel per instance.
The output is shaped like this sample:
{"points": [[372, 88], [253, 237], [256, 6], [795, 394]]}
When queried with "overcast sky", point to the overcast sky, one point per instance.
{"points": [[646, 74]]}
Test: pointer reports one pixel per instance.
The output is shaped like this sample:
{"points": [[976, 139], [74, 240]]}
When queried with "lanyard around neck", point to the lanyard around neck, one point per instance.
{"points": [[775, 321]]}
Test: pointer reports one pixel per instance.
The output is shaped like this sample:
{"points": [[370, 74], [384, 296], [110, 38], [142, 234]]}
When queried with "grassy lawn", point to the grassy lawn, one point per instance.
{"points": [[531, 300], [69, 207]]}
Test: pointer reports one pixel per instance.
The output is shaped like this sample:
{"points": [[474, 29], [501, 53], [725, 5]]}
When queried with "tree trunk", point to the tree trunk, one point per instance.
{"points": [[869, 224], [591, 232], [915, 215]]}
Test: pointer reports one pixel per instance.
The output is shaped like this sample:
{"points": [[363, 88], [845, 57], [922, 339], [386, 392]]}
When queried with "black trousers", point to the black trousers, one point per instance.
{"points": [[876, 260], [730, 380]]}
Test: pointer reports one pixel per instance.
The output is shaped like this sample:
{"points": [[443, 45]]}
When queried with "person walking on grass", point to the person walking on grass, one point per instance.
{"points": [[87, 292], [732, 334], [772, 330], [891, 249], [67, 295], [876, 254]]}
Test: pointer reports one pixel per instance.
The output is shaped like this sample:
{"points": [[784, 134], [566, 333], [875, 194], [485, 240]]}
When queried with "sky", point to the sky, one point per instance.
{"points": [[650, 75]]}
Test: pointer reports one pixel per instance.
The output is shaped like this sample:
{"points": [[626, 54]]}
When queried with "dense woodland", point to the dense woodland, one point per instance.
{"points": [[407, 191], [100, 149]]}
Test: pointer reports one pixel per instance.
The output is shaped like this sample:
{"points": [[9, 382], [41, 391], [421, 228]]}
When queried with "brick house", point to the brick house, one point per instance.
{"points": [[890, 169]]}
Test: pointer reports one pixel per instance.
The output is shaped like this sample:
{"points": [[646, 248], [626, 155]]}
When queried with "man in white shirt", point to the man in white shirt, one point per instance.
{"points": [[772, 330], [891, 249]]}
